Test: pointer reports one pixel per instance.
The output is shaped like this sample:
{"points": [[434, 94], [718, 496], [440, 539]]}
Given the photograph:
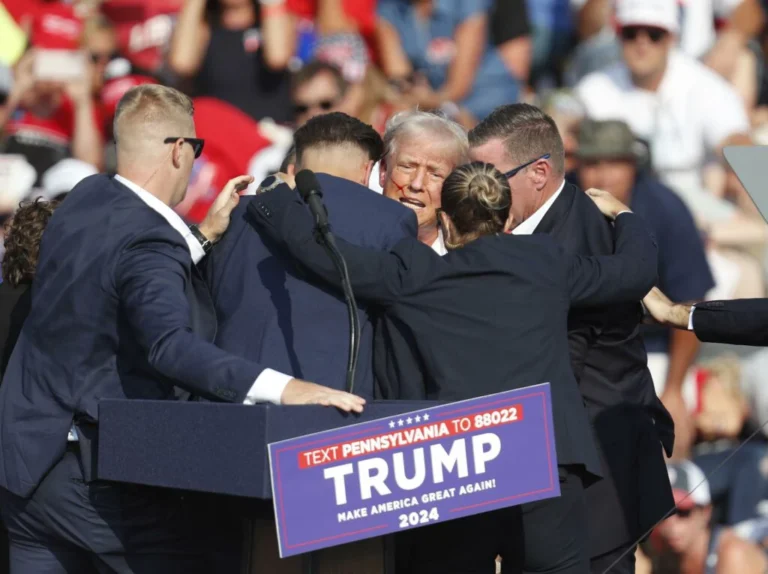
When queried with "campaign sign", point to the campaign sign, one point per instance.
{"points": [[412, 470]]}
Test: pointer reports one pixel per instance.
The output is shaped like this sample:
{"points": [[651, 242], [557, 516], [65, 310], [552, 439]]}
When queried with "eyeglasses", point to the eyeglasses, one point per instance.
{"points": [[513, 172], [324, 105], [655, 35], [196, 143]]}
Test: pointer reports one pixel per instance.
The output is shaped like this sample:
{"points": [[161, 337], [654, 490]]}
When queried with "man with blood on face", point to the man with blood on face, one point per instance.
{"points": [[421, 150]]}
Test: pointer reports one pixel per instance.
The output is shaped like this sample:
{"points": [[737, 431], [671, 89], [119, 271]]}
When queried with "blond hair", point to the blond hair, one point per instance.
{"points": [[477, 198], [152, 112]]}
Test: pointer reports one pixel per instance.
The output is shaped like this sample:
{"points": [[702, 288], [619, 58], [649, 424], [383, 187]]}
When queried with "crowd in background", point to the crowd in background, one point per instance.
{"points": [[645, 112]]}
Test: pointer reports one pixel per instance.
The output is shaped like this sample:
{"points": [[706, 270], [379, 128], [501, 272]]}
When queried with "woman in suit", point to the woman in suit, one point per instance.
{"points": [[22, 245], [488, 317]]}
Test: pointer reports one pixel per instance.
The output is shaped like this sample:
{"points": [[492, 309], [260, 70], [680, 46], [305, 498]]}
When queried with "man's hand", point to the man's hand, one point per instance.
{"points": [[298, 392], [217, 219], [606, 203], [665, 311]]}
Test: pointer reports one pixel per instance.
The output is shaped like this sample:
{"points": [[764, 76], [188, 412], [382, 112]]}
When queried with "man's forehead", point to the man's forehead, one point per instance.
{"points": [[426, 150]]}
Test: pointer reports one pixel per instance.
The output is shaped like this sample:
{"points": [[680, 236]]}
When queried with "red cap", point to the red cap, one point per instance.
{"points": [[115, 89], [56, 27]]}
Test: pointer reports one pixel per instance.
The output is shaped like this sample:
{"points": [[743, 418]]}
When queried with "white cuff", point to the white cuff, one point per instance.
{"points": [[268, 388], [690, 318], [625, 211], [195, 249]]}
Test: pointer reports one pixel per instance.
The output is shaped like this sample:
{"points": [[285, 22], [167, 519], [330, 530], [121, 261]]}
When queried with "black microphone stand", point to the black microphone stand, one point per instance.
{"points": [[329, 242]]}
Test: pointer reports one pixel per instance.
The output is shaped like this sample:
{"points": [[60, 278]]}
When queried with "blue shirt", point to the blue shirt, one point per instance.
{"points": [[684, 273], [430, 47]]}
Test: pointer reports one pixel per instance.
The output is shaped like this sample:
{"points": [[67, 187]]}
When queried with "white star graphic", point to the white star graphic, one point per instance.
{"points": [[391, 424], [417, 419], [409, 420], [400, 423], [426, 417]]}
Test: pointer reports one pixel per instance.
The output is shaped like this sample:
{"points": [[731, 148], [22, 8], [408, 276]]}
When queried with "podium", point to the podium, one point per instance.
{"points": [[222, 449]]}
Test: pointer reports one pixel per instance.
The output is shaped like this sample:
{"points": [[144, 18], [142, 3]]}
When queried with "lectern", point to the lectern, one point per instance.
{"points": [[222, 449]]}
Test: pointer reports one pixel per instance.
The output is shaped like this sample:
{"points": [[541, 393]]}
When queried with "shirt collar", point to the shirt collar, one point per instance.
{"points": [[528, 226], [439, 245], [168, 214]]}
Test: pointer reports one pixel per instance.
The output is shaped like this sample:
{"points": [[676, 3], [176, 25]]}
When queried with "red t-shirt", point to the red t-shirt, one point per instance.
{"points": [[144, 29]]}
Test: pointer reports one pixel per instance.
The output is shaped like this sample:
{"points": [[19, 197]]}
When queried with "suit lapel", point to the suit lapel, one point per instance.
{"points": [[556, 217]]}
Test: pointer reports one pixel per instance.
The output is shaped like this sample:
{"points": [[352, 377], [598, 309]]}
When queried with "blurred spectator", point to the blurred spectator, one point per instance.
{"points": [[686, 544], [144, 29], [237, 51], [511, 34], [99, 40], [552, 27], [317, 88], [610, 158], [716, 31], [658, 91], [720, 413], [440, 55], [48, 120]]}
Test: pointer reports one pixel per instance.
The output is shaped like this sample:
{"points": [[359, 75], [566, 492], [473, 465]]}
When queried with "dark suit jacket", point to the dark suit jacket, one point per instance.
{"points": [[14, 308], [610, 364], [266, 309], [118, 311], [737, 322], [490, 316]]}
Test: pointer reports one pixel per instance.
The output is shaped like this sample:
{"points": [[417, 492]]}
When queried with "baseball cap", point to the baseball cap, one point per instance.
{"points": [[608, 139], [662, 14], [689, 485]]}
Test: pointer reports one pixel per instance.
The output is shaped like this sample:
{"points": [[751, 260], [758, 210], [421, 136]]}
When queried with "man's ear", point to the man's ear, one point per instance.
{"points": [[291, 169], [540, 172]]}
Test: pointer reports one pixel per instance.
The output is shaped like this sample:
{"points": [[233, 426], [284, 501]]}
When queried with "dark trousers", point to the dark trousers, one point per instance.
{"points": [[614, 563], [72, 527], [546, 537]]}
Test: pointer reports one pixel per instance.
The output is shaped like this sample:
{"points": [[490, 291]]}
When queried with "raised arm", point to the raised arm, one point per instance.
{"points": [[376, 276], [628, 274]]}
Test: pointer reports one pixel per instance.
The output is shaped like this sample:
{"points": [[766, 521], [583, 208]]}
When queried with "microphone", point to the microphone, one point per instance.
{"points": [[312, 194]]}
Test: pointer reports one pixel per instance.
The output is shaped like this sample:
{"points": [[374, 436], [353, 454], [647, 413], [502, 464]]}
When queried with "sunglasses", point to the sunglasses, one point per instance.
{"points": [[196, 143], [655, 35], [324, 105], [97, 57], [513, 172]]}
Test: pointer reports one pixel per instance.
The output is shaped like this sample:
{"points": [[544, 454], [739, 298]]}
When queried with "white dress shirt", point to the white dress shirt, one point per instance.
{"points": [[439, 245], [269, 385], [528, 226]]}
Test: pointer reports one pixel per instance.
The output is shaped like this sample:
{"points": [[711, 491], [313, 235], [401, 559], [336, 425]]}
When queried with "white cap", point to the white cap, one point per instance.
{"points": [[64, 175], [663, 14]]}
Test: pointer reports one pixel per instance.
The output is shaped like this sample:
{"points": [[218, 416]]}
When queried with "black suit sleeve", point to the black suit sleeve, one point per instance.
{"points": [[627, 275], [738, 322], [377, 276]]}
